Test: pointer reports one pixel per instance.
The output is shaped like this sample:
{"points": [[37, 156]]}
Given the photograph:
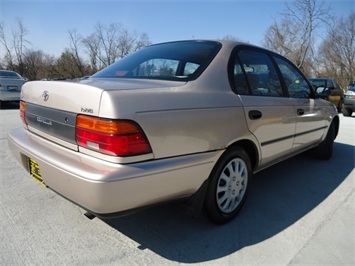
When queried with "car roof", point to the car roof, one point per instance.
{"points": [[226, 44], [3, 70], [8, 71], [9, 74]]}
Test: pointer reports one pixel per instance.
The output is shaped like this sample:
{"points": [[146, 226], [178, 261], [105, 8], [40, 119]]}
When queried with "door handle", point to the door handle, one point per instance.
{"points": [[300, 111], [255, 114]]}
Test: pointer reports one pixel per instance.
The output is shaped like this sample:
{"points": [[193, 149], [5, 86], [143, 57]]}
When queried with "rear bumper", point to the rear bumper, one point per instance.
{"points": [[10, 96], [103, 187]]}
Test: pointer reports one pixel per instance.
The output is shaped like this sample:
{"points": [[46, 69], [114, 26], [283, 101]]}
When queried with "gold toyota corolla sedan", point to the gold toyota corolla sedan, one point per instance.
{"points": [[186, 120]]}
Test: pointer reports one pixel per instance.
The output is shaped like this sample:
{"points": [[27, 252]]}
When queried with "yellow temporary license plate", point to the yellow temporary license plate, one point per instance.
{"points": [[35, 172]]}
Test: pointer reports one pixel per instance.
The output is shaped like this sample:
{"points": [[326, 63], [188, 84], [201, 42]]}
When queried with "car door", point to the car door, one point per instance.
{"points": [[336, 94], [270, 115], [310, 122]]}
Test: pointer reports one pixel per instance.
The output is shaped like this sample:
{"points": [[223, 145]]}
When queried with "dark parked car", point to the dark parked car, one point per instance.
{"points": [[351, 84], [329, 90], [189, 120], [349, 102]]}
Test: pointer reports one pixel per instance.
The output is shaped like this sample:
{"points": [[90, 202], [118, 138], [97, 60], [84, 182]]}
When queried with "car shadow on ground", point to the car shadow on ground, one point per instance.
{"points": [[279, 197], [10, 105]]}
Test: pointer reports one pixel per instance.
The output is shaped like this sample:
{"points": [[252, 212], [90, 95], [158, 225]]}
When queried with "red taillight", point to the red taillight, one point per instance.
{"points": [[114, 137], [23, 112]]}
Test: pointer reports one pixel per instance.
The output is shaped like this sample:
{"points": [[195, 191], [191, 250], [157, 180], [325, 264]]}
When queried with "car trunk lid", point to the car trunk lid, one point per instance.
{"points": [[65, 96], [52, 106]]}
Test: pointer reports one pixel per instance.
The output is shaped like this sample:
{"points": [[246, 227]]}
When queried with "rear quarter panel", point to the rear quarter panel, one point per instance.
{"points": [[178, 132], [181, 120]]}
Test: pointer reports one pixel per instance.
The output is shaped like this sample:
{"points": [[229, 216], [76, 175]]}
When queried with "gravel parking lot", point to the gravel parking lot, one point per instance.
{"points": [[301, 211]]}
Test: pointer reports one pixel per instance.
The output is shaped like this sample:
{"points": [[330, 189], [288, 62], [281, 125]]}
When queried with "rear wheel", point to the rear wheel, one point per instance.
{"points": [[228, 186], [325, 149]]}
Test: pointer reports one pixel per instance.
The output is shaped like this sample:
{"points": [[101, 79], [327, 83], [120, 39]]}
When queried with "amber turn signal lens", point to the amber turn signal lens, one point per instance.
{"points": [[106, 126], [23, 112]]}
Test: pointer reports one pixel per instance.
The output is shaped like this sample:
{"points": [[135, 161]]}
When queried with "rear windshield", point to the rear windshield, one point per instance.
{"points": [[7, 74], [170, 61]]}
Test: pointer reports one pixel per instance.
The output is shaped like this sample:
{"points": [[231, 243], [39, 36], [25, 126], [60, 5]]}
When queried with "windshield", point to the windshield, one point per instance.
{"points": [[319, 85], [317, 82], [170, 61]]}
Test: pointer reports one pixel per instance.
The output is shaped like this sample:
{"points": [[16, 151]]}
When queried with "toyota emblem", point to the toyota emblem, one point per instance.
{"points": [[45, 95]]}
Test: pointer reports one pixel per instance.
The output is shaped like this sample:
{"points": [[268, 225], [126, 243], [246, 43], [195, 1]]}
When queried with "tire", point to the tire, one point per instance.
{"points": [[325, 149], [347, 111], [340, 106], [228, 186]]}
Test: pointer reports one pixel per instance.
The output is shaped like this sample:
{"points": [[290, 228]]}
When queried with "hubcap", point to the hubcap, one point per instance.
{"points": [[231, 185]]}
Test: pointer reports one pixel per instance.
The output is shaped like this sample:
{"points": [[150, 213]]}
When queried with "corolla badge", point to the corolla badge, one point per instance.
{"points": [[45, 95], [44, 121]]}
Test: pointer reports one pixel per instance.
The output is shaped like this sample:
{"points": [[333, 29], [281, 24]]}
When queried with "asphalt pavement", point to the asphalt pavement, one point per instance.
{"points": [[299, 212]]}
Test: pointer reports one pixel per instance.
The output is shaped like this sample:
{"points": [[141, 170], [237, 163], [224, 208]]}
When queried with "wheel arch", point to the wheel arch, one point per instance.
{"points": [[250, 148], [336, 122], [195, 205]]}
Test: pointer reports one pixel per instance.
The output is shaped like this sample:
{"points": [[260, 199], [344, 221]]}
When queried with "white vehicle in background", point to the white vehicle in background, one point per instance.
{"points": [[10, 86], [349, 102]]}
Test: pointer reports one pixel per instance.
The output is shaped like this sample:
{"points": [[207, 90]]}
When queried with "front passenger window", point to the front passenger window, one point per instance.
{"points": [[297, 86]]}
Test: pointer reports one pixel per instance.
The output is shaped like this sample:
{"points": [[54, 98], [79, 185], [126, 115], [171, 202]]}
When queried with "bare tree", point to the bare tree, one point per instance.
{"points": [[229, 37], [129, 42], [294, 35], [104, 46], [17, 43], [75, 42], [108, 39], [282, 38], [142, 41], [125, 43], [92, 46], [4, 41], [337, 51], [109, 43]]}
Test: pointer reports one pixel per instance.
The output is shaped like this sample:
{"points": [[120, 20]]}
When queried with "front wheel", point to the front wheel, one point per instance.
{"points": [[340, 106], [228, 186], [346, 111]]}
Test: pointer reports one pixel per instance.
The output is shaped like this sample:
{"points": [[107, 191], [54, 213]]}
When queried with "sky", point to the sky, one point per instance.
{"points": [[48, 21]]}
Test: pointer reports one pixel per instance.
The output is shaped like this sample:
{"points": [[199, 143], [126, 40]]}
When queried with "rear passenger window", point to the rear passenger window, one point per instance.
{"points": [[255, 74], [296, 85]]}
